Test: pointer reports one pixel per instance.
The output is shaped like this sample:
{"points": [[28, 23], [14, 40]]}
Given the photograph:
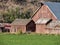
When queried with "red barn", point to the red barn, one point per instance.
{"points": [[48, 12]]}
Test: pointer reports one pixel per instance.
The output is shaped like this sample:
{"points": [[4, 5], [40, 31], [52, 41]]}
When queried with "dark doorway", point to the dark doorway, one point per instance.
{"points": [[31, 26], [7, 30], [4, 30]]}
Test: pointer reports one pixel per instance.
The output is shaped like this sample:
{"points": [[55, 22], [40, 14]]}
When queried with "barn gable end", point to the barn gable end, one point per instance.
{"points": [[47, 10]]}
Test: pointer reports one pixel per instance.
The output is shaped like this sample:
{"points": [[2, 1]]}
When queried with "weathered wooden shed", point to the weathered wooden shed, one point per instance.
{"points": [[5, 27], [23, 25], [53, 27]]}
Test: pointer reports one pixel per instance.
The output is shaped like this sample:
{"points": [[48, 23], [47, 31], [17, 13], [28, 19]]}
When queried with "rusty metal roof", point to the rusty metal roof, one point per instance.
{"points": [[42, 21]]}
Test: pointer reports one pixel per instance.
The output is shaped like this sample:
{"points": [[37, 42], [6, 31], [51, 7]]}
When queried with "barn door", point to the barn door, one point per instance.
{"points": [[31, 27]]}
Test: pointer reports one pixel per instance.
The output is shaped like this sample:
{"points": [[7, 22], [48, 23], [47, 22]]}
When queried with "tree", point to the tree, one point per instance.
{"points": [[27, 15], [15, 13], [11, 15]]}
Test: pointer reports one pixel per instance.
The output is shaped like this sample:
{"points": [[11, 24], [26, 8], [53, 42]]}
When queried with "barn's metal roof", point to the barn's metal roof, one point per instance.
{"points": [[54, 7]]}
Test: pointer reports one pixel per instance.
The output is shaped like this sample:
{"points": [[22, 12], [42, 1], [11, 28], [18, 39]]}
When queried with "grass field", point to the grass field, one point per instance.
{"points": [[29, 39]]}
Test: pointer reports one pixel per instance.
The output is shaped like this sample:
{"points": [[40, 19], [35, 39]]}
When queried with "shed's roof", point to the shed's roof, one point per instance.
{"points": [[4, 24], [42, 21], [54, 7], [20, 21]]}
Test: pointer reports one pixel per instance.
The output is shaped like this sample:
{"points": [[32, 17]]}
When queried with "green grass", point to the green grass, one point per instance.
{"points": [[29, 39]]}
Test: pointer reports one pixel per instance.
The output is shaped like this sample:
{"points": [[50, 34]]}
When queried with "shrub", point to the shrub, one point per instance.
{"points": [[19, 32]]}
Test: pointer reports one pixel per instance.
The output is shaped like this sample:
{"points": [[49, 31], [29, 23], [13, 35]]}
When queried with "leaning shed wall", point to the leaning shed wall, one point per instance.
{"points": [[53, 31]]}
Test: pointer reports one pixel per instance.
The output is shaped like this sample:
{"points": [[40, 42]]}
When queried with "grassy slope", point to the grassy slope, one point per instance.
{"points": [[6, 39]]}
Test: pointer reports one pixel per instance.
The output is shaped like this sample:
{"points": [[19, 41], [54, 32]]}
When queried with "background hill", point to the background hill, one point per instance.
{"points": [[21, 6]]}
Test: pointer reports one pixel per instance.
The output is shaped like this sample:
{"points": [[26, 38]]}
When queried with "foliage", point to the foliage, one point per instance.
{"points": [[15, 13], [19, 32]]}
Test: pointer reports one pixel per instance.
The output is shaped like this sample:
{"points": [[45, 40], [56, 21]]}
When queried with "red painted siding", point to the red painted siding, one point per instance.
{"points": [[18, 28], [40, 28], [43, 12]]}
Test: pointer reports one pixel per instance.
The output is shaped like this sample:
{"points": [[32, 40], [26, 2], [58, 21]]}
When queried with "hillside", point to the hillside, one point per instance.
{"points": [[23, 6]]}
